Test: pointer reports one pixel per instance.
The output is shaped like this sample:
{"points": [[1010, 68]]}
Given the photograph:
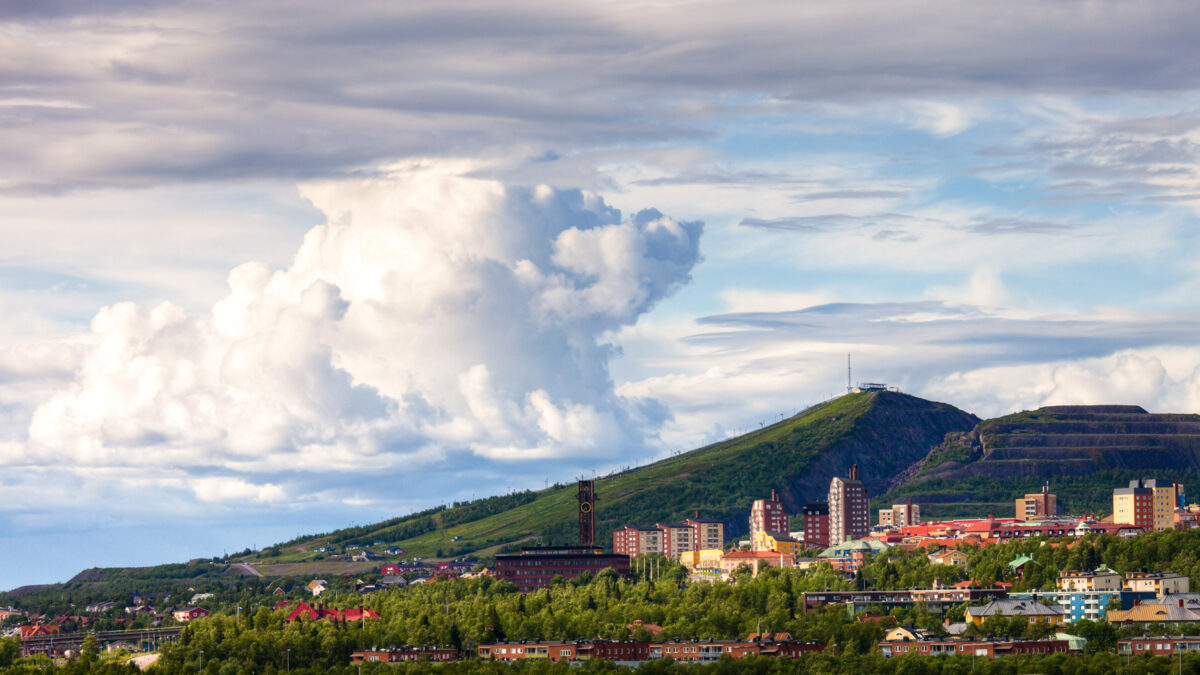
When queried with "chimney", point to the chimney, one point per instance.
{"points": [[697, 513], [773, 497], [1180, 601]]}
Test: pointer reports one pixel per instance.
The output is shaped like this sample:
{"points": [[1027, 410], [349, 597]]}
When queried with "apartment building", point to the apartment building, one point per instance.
{"points": [[638, 540], [1037, 505], [708, 533], [768, 515], [1134, 505], [900, 515], [816, 524], [849, 515], [677, 538], [1160, 583]]}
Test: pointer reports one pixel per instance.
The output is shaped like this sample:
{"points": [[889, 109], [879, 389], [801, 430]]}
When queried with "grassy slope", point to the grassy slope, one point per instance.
{"points": [[720, 480]]}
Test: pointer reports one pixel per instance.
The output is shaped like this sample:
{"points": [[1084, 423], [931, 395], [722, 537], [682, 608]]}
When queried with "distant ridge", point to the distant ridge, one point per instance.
{"points": [[883, 432], [1106, 444]]}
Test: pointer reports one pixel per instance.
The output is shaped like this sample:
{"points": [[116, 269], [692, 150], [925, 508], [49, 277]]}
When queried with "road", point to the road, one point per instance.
{"points": [[249, 569]]}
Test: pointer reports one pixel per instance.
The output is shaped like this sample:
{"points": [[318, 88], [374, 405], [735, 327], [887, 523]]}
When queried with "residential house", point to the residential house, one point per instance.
{"points": [[37, 630], [1008, 608], [189, 614], [305, 611], [949, 556], [1167, 610], [317, 587], [1161, 583], [1018, 565]]}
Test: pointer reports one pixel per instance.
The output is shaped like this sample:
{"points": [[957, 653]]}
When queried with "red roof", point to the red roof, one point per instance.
{"points": [[305, 611]]}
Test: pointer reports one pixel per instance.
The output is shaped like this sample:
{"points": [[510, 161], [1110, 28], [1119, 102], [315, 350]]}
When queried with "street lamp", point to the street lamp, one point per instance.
{"points": [[289, 660], [201, 660]]}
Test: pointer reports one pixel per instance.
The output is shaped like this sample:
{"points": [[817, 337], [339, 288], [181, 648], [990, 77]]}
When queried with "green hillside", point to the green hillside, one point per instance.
{"points": [[1083, 452], [883, 432]]}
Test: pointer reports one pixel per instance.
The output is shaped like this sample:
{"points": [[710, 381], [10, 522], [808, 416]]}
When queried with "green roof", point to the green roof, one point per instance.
{"points": [[1020, 560]]}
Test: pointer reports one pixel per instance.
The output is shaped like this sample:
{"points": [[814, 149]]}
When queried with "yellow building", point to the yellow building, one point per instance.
{"points": [[1161, 583], [1103, 579], [704, 560], [776, 543], [755, 560], [1166, 499]]}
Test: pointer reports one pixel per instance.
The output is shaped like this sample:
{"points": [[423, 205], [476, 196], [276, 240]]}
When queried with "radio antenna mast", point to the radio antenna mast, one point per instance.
{"points": [[849, 387]]}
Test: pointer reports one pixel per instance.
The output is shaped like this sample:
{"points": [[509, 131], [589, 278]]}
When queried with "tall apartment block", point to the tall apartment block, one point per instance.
{"points": [[1134, 505], [768, 515], [849, 509], [1038, 505], [1149, 504], [816, 525], [1168, 495], [900, 515]]}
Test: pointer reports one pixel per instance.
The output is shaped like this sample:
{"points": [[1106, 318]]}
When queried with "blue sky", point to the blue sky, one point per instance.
{"points": [[270, 274]]}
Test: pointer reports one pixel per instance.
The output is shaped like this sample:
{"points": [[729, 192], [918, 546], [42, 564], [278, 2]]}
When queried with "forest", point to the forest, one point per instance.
{"points": [[464, 613]]}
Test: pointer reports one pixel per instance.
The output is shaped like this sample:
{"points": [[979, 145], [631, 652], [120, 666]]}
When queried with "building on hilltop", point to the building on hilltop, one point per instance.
{"points": [[768, 515], [849, 514], [900, 515], [1037, 505], [816, 525]]}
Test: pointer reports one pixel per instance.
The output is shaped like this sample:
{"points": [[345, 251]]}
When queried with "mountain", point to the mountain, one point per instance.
{"points": [[883, 432], [1083, 452]]}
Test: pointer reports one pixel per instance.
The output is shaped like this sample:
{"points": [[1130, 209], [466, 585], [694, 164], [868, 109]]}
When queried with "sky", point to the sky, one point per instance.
{"points": [[268, 273]]}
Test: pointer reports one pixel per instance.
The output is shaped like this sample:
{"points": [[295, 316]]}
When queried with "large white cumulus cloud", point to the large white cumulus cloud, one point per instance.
{"points": [[432, 312]]}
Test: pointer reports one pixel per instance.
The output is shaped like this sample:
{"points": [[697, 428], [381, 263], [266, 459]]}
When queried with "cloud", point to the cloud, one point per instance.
{"points": [[166, 92], [219, 489], [431, 313]]}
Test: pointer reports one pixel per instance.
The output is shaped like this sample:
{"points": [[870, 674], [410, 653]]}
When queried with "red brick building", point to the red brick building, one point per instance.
{"points": [[602, 650], [670, 539], [849, 509], [769, 515], [637, 540], [1158, 646], [535, 567], [816, 525]]}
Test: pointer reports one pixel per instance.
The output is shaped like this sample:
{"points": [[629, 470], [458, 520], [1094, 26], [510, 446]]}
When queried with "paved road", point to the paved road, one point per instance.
{"points": [[249, 569]]}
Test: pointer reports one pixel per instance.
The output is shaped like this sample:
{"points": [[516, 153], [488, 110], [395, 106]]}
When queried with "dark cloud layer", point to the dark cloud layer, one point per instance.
{"points": [[221, 90]]}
